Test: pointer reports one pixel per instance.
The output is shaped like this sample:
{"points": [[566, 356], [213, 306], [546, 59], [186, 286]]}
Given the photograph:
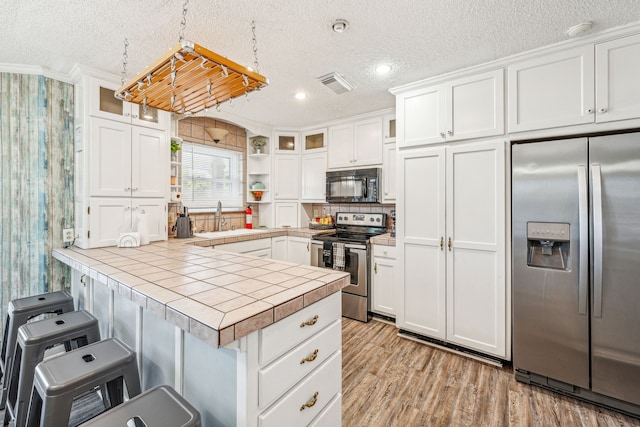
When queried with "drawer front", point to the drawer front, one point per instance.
{"points": [[331, 415], [384, 251], [305, 401], [275, 379], [282, 336]]}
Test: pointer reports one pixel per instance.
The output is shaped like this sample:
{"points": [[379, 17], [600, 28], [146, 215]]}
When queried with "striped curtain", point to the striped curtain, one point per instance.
{"points": [[36, 183]]}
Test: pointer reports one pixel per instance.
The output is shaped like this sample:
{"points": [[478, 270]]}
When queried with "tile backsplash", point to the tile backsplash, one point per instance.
{"points": [[332, 208]]}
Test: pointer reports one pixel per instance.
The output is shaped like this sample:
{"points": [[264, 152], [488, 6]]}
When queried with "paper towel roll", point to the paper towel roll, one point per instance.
{"points": [[176, 196], [143, 228]]}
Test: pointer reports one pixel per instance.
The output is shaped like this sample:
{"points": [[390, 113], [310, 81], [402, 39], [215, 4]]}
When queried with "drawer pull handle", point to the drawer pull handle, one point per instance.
{"points": [[310, 403], [309, 322], [310, 358]]}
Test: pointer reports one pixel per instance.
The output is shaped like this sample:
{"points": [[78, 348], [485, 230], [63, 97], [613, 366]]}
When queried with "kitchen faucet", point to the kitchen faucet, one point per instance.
{"points": [[219, 221]]}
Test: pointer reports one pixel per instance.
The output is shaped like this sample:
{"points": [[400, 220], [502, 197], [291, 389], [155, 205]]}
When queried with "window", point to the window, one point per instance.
{"points": [[210, 175]]}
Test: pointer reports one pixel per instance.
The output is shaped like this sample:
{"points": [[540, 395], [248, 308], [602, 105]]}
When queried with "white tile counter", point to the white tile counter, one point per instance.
{"points": [[214, 295]]}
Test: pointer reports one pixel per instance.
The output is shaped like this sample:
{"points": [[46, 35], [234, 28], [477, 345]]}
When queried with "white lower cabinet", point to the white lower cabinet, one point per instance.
{"points": [[279, 248], [383, 284], [299, 250], [111, 216], [300, 367], [258, 247], [452, 246]]}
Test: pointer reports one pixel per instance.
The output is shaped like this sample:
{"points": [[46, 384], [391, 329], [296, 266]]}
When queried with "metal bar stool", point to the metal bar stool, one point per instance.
{"points": [[62, 377], [34, 338], [160, 406], [19, 312]]}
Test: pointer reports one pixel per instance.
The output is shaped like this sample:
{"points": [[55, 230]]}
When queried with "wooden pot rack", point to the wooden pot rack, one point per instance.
{"points": [[195, 77]]}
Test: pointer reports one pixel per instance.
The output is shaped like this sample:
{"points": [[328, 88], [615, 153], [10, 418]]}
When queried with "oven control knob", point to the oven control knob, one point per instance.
{"points": [[377, 219]]}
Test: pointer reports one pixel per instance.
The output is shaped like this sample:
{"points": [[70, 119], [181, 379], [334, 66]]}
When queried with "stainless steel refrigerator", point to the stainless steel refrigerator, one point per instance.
{"points": [[576, 267]]}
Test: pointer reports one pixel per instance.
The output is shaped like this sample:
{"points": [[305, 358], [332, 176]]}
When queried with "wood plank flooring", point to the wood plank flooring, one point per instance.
{"points": [[392, 381]]}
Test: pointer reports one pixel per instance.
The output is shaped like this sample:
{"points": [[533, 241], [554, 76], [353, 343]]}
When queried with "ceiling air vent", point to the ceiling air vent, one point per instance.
{"points": [[336, 82]]}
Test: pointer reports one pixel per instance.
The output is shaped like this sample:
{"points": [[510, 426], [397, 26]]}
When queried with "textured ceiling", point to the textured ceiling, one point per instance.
{"points": [[420, 38]]}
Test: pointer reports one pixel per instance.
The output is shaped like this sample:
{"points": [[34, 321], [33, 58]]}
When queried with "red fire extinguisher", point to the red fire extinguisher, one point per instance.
{"points": [[249, 219]]}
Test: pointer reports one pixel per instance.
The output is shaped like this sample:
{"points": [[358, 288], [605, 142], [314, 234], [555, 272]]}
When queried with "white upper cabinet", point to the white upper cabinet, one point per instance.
{"points": [[617, 71], [286, 170], [286, 143], [313, 176], [389, 173], [389, 128], [552, 90], [127, 160], [355, 144], [104, 104], [584, 85], [465, 108], [314, 140]]}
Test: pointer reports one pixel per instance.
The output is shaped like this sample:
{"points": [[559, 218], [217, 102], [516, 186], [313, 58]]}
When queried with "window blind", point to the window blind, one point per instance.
{"points": [[210, 175]]}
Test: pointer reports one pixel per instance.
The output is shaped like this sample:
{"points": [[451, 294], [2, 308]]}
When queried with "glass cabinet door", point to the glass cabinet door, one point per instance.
{"points": [[315, 140], [286, 142]]}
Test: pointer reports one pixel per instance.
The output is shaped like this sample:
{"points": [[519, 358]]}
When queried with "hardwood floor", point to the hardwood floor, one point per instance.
{"points": [[392, 381]]}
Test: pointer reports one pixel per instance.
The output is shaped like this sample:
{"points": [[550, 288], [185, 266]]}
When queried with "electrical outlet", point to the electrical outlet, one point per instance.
{"points": [[67, 235]]}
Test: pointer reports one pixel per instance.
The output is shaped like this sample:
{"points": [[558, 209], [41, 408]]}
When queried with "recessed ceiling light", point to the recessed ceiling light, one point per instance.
{"points": [[301, 95], [577, 30], [339, 25], [383, 68]]}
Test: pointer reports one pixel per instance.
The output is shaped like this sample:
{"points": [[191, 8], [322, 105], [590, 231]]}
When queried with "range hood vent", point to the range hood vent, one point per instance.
{"points": [[336, 82]]}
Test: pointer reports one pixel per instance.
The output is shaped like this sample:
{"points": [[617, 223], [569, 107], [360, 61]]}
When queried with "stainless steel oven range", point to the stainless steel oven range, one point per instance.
{"points": [[349, 250]]}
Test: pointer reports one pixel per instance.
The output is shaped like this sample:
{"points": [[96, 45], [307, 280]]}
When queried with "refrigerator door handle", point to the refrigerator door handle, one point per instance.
{"points": [[583, 218], [597, 240]]}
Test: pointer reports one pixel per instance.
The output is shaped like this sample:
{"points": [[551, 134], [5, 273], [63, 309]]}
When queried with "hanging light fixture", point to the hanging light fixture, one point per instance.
{"points": [[216, 133], [190, 78]]}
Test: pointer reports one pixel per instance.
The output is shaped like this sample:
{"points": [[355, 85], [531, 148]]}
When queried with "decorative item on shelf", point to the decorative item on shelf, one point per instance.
{"points": [[176, 145], [257, 185], [258, 143], [257, 194], [216, 133]]}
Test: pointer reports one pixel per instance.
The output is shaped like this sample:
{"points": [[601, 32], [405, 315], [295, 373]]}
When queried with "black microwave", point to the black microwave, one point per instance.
{"points": [[354, 186]]}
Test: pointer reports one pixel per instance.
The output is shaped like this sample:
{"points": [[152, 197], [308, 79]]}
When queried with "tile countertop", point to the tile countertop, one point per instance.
{"points": [[383, 239], [215, 295]]}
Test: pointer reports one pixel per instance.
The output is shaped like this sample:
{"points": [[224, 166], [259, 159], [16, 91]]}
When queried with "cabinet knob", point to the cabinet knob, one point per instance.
{"points": [[442, 135], [375, 268], [135, 116], [127, 188], [450, 132], [602, 110], [450, 244], [134, 189], [589, 110]]}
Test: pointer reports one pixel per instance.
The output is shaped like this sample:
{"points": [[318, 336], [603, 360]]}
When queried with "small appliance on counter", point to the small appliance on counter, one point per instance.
{"points": [[183, 227]]}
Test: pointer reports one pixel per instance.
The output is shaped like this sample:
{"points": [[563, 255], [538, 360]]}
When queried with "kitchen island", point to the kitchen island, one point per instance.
{"points": [[247, 341]]}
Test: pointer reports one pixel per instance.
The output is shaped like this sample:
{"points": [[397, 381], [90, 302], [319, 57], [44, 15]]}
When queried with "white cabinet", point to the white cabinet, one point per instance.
{"points": [[301, 367], [313, 168], [314, 140], [465, 108], [286, 142], [552, 90], [103, 103], [258, 247], [617, 71], [383, 284], [451, 238], [355, 144], [127, 160], [583, 85], [122, 165], [279, 248], [286, 173], [286, 214], [389, 128], [299, 250], [110, 216], [389, 173]]}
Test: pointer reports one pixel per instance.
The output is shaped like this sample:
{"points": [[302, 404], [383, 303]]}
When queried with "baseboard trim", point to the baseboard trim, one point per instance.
{"points": [[494, 362]]}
